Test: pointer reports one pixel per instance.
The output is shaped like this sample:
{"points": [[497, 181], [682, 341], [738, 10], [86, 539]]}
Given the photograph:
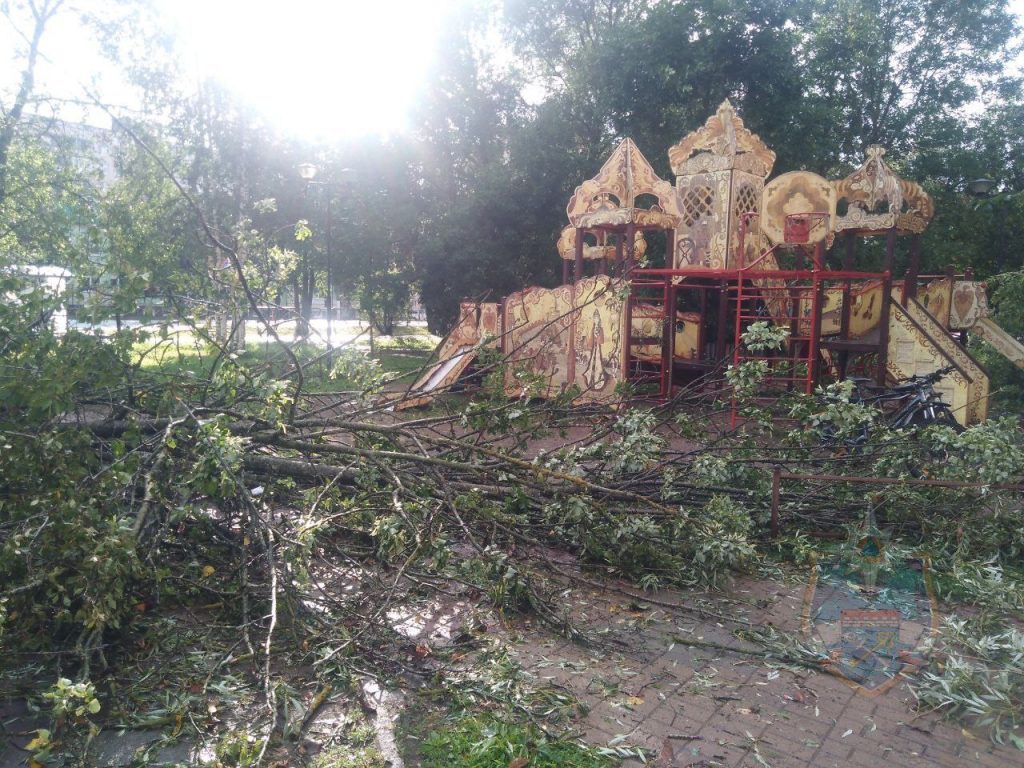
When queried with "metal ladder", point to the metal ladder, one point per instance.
{"points": [[650, 323]]}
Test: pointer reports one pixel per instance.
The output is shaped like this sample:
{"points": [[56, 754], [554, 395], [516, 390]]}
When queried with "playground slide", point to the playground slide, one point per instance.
{"points": [[1001, 341], [446, 371], [455, 354], [919, 345]]}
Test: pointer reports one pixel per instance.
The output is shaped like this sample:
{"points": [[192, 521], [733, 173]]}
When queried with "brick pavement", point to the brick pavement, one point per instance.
{"points": [[644, 686]]}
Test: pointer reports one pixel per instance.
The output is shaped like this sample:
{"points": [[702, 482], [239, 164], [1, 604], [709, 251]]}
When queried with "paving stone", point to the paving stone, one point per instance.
{"points": [[663, 716], [117, 749], [721, 697], [783, 750]]}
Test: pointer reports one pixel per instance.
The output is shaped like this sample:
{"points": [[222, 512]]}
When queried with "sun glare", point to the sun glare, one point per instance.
{"points": [[316, 69]]}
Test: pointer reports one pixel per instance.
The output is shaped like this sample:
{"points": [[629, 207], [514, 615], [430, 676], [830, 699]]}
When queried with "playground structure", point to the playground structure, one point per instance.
{"points": [[735, 249]]}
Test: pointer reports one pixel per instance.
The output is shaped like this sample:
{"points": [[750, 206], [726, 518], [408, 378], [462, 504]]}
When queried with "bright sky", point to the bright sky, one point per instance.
{"points": [[315, 68], [319, 69]]}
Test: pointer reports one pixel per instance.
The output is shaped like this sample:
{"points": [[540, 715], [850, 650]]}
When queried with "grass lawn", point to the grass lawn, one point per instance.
{"points": [[400, 356]]}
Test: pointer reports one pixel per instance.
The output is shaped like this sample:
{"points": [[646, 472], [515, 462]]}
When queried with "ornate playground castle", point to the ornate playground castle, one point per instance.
{"points": [[734, 249]]}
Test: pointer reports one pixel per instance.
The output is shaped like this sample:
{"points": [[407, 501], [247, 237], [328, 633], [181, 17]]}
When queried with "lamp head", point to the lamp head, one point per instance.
{"points": [[307, 171], [981, 187]]}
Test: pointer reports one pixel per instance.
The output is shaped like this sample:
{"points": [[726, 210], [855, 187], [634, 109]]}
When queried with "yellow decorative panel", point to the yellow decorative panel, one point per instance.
{"points": [[865, 308], [647, 322], [935, 297], [797, 192], [969, 304], [537, 332], [597, 339], [571, 334], [918, 345], [457, 351]]}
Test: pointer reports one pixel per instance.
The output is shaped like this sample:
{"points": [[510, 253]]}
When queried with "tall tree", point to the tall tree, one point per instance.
{"points": [[39, 14], [887, 71]]}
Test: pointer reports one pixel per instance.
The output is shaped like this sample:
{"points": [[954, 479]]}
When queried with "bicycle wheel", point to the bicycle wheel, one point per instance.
{"points": [[944, 417]]}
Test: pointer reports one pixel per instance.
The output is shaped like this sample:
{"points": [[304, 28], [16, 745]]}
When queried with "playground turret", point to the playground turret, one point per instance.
{"points": [[661, 281]]}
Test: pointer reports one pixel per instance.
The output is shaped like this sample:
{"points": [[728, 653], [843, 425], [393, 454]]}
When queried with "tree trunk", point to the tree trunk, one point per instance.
{"points": [[41, 16]]}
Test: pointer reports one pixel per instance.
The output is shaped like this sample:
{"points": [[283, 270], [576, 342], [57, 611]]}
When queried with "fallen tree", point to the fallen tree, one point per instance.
{"points": [[298, 519]]}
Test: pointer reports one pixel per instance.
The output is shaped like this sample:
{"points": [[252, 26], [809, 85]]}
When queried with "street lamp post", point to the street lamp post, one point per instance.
{"points": [[308, 173]]}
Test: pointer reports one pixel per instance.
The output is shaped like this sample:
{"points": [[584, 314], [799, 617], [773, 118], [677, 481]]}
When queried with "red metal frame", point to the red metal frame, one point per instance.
{"points": [[750, 291], [667, 336]]}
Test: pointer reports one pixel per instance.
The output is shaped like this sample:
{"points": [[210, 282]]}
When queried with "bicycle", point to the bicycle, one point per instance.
{"points": [[911, 403]]}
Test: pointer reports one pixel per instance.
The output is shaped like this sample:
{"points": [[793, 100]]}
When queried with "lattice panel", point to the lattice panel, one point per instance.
{"points": [[697, 203], [746, 201]]}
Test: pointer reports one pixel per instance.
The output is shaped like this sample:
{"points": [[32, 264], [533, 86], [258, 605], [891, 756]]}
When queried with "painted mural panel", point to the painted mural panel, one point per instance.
{"points": [[935, 297], [597, 339], [570, 334], [490, 320], [969, 304], [537, 334]]}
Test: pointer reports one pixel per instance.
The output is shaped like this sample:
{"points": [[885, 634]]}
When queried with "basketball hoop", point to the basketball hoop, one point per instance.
{"points": [[798, 226]]}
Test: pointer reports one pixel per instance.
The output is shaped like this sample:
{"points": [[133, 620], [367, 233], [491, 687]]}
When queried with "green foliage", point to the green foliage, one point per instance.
{"points": [[747, 378], [384, 298], [68, 544], [217, 458], [74, 700], [358, 370], [239, 748], [729, 471], [886, 72], [831, 417], [1006, 302], [497, 714], [48, 211], [634, 445], [722, 542], [980, 678], [985, 585], [990, 452], [71, 707], [763, 336], [486, 741], [703, 547]]}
